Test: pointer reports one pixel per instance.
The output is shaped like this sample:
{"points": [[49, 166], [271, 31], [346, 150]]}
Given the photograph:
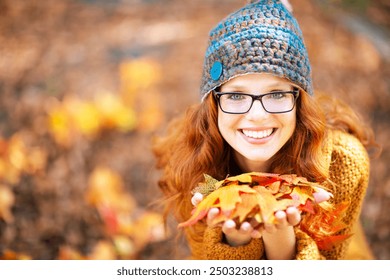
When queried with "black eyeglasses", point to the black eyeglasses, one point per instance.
{"points": [[275, 102]]}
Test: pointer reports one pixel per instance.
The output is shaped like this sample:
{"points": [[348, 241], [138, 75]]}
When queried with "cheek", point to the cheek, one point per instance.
{"points": [[227, 122], [223, 122], [290, 124]]}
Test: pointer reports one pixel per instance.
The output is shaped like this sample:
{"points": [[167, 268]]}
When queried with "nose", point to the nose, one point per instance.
{"points": [[257, 111]]}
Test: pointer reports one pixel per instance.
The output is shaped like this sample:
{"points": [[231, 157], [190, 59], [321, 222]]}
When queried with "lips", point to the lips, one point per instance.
{"points": [[257, 134]]}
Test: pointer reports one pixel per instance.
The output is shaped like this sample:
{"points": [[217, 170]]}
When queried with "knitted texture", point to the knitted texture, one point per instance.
{"points": [[349, 171], [261, 37]]}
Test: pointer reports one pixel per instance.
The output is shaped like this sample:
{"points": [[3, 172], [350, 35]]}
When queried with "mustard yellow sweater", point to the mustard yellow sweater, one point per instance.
{"points": [[349, 170]]}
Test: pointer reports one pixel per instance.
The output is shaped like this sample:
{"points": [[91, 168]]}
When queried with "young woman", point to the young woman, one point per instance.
{"points": [[259, 113]]}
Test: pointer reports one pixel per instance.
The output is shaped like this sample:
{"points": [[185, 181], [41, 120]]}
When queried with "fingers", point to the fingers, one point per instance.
{"points": [[321, 195], [240, 236], [229, 227], [281, 219], [256, 234], [293, 216], [196, 198], [290, 217], [245, 228], [213, 212]]}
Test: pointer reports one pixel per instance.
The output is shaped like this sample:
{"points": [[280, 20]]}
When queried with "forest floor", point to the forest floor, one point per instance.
{"points": [[57, 56]]}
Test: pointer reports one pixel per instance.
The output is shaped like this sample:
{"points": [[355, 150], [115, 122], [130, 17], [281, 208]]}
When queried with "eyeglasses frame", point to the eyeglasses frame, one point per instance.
{"points": [[218, 95]]}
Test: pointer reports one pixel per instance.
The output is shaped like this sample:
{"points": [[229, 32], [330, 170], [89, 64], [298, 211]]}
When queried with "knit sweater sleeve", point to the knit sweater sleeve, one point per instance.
{"points": [[349, 171], [216, 248], [213, 247]]}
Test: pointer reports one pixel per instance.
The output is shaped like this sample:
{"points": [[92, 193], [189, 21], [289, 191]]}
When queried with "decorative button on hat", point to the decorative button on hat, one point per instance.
{"points": [[261, 37], [216, 70]]}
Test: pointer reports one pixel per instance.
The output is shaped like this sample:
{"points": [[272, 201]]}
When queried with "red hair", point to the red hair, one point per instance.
{"points": [[194, 146]]}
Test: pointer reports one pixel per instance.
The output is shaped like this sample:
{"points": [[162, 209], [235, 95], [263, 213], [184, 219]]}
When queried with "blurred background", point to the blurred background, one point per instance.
{"points": [[86, 84]]}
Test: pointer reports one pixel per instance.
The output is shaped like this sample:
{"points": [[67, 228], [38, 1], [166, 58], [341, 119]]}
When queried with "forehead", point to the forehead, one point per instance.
{"points": [[258, 80]]}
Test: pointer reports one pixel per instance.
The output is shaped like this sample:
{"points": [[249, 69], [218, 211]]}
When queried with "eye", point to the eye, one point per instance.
{"points": [[235, 96], [277, 95]]}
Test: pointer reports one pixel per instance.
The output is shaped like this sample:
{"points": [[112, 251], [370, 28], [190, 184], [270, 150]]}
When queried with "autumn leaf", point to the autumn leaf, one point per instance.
{"points": [[7, 200], [12, 255], [325, 223], [103, 250], [113, 113], [248, 204], [124, 247], [88, 118], [59, 125], [84, 116], [226, 202], [106, 189], [206, 187], [147, 228], [138, 75], [68, 253]]}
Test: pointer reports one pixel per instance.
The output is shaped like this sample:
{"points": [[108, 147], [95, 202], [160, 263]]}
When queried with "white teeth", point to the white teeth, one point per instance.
{"points": [[257, 134]]}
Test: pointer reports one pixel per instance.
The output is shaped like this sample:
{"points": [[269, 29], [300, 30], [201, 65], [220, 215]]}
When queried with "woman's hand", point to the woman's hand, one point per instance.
{"points": [[234, 236], [279, 238]]}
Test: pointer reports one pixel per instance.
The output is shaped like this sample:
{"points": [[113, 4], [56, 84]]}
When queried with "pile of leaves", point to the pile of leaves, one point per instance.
{"points": [[258, 196]]}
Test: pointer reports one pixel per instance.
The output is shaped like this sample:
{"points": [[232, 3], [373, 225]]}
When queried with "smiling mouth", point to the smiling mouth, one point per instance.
{"points": [[258, 134]]}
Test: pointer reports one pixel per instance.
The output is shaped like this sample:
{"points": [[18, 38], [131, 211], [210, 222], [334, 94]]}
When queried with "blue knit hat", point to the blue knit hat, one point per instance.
{"points": [[261, 37]]}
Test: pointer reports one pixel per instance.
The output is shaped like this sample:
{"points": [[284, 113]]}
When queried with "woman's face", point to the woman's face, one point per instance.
{"points": [[257, 135]]}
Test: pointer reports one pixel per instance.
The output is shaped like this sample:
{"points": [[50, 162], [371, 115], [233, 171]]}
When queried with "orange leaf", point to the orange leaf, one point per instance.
{"points": [[328, 242], [307, 207], [248, 204], [324, 223], [302, 194], [7, 200], [226, 198], [110, 218], [267, 203]]}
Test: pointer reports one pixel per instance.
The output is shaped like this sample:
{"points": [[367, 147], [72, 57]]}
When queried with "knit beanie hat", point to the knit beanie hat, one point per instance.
{"points": [[261, 37]]}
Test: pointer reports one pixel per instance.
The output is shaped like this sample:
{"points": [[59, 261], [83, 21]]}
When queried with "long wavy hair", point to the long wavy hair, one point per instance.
{"points": [[194, 146]]}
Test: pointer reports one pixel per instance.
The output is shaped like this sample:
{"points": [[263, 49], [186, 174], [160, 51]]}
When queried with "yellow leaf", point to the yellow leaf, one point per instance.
{"points": [[106, 189], [7, 200], [124, 247], [60, 125], [138, 75], [246, 207], [68, 253], [103, 250], [226, 198], [12, 255], [243, 178], [84, 115], [149, 227], [113, 112], [17, 152], [267, 203]]}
